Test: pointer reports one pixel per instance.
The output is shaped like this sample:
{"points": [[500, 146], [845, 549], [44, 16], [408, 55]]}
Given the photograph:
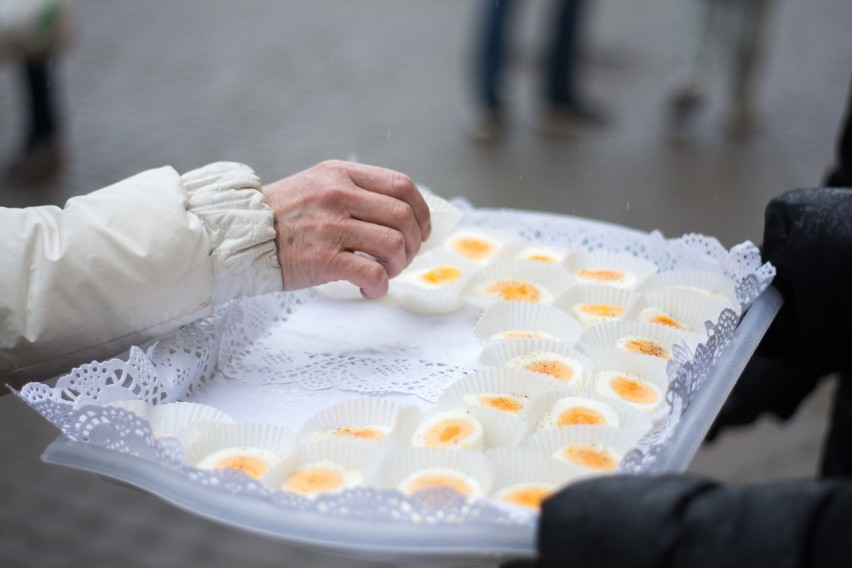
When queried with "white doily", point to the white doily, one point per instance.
{"points": [[283, 357]]}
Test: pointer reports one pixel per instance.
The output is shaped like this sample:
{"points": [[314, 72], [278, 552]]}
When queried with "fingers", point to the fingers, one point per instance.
{"points": [[367, 274], [396, 185], [386, 245], [390, 213]]}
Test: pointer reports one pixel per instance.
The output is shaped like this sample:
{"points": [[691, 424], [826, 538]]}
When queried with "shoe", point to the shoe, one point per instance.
{"points": [[42, 163], [575, 119], [485, 125]]}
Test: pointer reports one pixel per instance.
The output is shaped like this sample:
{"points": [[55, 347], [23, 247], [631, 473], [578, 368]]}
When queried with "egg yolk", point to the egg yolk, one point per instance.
{"points": [[515, 290], [601, 275], [501, 403], [364, 433], [527, 496], [442, 276], [313, 480], [668, 320], [448, 432], [591, 457], [647, 347], [541, 258], [633, 390], [580, 415], [473, 248], [432, 480], [251, 466], [601, 310], [556, 369]]}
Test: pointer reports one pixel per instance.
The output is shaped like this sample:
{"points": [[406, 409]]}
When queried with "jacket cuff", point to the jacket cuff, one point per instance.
{"points": [[226, 197]]}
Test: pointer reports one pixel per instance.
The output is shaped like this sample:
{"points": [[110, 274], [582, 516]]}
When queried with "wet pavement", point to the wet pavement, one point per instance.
{"points": [[281, 85]]}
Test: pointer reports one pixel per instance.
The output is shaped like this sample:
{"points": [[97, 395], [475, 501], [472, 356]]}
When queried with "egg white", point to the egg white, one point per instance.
{"points": [[704, 292], [320, 435], [529, 253], [497, 244], [508, 334], [587, 320], [415, 277], [482, 290], [405, 484], [628, 279], [352, 476], [504, 493], [603, 385], [268, 457], [649, 313], [522, 361], [475, 441], [474, 399], [560, 455], [622, 343], [550, 418]]}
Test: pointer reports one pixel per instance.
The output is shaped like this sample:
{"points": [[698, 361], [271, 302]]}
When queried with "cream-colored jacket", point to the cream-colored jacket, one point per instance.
{"points": [[127, 263]]}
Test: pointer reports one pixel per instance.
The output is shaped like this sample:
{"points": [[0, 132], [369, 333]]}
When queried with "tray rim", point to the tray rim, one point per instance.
{"points": [[390, 540]]}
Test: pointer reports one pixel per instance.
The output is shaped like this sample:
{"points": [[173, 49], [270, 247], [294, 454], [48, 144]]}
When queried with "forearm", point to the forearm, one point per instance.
{"points": [[127, 263]]}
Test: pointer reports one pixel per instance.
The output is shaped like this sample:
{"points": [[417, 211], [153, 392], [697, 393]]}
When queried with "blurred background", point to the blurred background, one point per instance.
{"points": [[652, 139]]}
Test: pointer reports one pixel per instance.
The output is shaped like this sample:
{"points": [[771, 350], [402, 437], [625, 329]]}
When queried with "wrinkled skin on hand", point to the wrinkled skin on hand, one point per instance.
{"points": [[329, 217]]}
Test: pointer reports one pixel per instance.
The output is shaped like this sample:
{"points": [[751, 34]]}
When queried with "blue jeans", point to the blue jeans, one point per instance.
{"points": [[559, 82]]}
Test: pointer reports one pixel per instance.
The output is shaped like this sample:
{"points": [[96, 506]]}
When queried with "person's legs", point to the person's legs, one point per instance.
{"points": [[747, 45], [41, 157], [561, 78], [695, 60], [43, 120], [489, 67]]}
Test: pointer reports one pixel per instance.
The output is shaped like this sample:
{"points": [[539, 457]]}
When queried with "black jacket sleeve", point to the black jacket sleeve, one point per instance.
{"points": [[679, 521]]}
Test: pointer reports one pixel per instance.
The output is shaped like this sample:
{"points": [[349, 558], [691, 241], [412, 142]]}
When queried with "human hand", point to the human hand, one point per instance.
{"points": [[329, 214]]}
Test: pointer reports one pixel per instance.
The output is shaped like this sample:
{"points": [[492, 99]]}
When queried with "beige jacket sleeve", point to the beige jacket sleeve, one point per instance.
{"points": [[127, 263]]}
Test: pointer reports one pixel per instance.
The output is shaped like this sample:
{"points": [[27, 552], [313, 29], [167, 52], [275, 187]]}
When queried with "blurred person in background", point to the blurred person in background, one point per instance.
{"points": [[32, 34], [563, 106], [736, 30]]}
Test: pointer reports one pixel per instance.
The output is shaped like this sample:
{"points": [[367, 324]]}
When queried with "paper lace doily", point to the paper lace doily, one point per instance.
{"points": [[282, 357]]}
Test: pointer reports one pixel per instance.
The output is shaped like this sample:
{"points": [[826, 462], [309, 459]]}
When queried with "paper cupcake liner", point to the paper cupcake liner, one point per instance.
{"points": [[628, 418], [651, 370], [692, 309], [503, 353], [216, 437], [345, 454], [594, 294], [549, 442], [499, 380], [340, 290], [531, 252], [520, 316], [713, 285], [399, 464], [500, 239], [498, 429], [639, 269], [169, 419], [444, 217], [361, 412], [530, 464], [432, 300], [551, 280], [604, 337]]}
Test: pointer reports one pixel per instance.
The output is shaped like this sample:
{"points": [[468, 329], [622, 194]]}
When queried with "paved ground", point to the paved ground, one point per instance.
{"points": [[283, 84]]}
